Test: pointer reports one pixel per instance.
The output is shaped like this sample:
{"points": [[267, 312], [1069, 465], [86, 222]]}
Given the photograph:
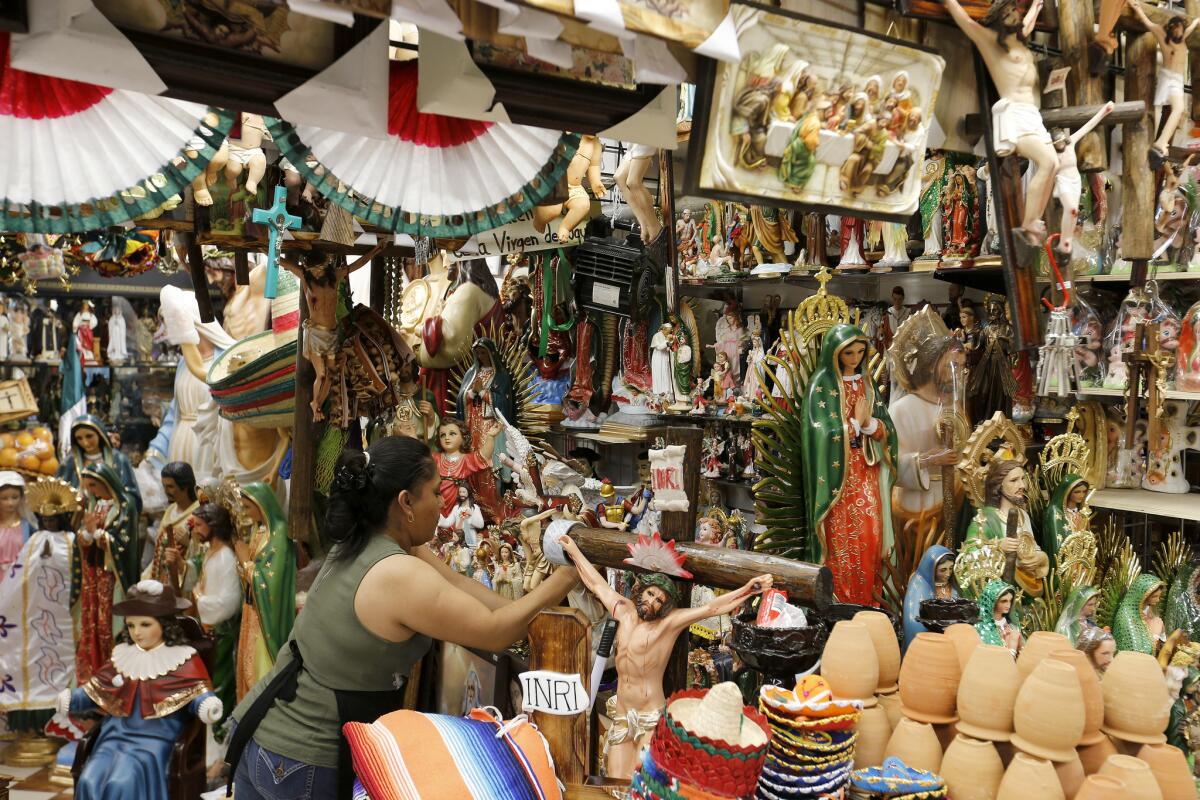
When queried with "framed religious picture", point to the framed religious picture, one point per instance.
{"points": [[469, 679], [816, 117], [689, 22]]}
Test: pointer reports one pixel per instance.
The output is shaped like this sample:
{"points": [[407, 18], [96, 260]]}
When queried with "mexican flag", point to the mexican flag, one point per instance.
{"points": [[74, 402]]}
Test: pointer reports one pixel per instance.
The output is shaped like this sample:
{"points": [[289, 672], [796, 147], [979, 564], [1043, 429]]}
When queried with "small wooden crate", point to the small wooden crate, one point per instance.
{"points": [[16, 400]]}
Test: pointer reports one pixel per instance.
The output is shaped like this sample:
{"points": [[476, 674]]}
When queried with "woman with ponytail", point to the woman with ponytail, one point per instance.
{"points": [[372, 613]]}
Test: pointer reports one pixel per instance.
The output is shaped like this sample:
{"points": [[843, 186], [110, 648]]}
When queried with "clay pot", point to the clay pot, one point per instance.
{"points": [[929, 679], [965, 639], [1137, 705], [1070, 775], [1048, 717], [874, 731], [945, 734], [891, 704], [1170, 769], [887, 647], [1101, 787], [1093, 756], [972, 769], [1093, 695], [849, 662], [916, 745], [987, 694], [1027, 778], [1039, 645], [1140, 783]]}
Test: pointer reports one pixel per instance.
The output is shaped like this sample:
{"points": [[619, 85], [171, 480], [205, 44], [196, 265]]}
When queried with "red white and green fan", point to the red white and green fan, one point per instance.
{"points": [[79, 157], [432, 175]]}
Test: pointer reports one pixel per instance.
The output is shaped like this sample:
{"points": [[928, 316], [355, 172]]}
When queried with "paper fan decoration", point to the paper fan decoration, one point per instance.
{"points": [[431, 175], [79, 157]]}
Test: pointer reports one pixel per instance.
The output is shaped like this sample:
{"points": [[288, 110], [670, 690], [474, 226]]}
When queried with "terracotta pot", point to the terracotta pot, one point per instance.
{"points": [[945, 734], [987, 694], [874, 731], [1140, 783], [1070, 775], [916, 744], [891, 704], [972, 769], [1171, 770], [1048, 717], [1137, 705], [1039, 645], [1028, 778], [1093, 756], [1102, 787], [1093, 695], [965, 639], [887, 647], [849, 662], [929, 679]]}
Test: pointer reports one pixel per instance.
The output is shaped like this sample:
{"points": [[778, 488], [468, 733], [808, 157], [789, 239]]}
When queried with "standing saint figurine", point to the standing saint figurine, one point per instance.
{"points": [[662, 377], [1017, 125], [1168, 92], [647, 625], [850, 444], [731, 338]]}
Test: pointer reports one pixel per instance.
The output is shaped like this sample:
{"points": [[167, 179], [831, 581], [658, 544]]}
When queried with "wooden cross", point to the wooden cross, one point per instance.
{"points": [[279, 221], [1146, 363]]}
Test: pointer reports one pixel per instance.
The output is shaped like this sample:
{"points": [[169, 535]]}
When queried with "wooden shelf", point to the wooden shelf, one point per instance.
{"points": [[1143, 501], [1172, 394]]}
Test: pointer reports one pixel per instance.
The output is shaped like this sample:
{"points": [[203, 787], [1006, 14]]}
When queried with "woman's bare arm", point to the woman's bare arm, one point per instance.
{"points": [[469, 585]]}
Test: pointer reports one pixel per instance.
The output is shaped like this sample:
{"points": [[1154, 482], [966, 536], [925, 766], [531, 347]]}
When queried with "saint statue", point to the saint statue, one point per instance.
{"points": [[1063, 515], [1078, 611], [1137, 624], [1005, 492], [933, 580], [850, 446], [998, 624]]}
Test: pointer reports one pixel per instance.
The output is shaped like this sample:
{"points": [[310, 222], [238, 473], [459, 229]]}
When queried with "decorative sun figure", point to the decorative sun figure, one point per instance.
{"points": [[652, 554]]}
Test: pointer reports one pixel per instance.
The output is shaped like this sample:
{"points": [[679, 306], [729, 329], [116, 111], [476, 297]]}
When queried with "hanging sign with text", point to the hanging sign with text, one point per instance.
{"points": [[553, 693]]}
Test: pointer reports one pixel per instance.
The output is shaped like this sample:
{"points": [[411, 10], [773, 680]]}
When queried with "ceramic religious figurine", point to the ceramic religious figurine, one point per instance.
{"points": [[662, 373], [117, 351], [218, 595], [1168, 93], [144, 335], [1017, 125], [611, 509], [457, 462], [1183, 601], [631, 172], [14, 528], [154, 682], [267, 566], [752, 386], [481, 566], [83, 325], [1187, 356], [1005, 491], [50, 336], [1099, 646], [961, 228], [852, 235], [108, 556], [171, 563], [507, 580], [5, 332], [1068, 184], [1077, 613], [731, 337], [721, 378], [465, 519], [648, 623], [1137, 624], [486, 396], [19, 332], [933, 580], [415, 414], [537, 566], [1064, 513], [991, 385], [998, 625], [90, 445], [849, 442], [584, 164]]}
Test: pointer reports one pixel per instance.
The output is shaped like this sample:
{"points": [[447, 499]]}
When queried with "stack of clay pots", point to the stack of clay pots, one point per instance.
{"points": [[929, 678], [875, 726]]}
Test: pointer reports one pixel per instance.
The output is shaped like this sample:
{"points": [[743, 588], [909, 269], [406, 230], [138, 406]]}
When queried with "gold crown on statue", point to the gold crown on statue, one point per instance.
{"points": [[52, 496], [817, 314], [1065, 454], [908, 340], [977, 455]]}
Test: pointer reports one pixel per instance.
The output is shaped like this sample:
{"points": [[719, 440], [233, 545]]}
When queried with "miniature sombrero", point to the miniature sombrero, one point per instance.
{"points": [[254, 381], [431, 175], [83, 157]]}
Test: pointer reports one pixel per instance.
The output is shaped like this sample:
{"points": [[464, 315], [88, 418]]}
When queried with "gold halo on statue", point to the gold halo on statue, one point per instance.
{"points": [[907, 341], [977, 454], [52, 496], [1065, 454]]}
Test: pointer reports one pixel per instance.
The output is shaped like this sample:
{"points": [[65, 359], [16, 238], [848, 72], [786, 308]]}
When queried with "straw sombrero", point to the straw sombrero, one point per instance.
{"points": [[718, 716]]}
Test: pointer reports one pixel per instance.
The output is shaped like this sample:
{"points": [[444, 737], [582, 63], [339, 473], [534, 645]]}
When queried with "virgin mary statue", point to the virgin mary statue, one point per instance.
{"points": [[850, 451]]}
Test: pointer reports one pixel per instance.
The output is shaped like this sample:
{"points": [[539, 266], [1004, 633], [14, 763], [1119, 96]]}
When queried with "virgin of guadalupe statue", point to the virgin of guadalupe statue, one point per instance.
{"points": [[1077, 613], [998, 624], [486, 388], [1183, 606], [1137, 624], [849, 443], [1063, 515], [934, 579], [90, 445], [109, 557], [267, 564]]}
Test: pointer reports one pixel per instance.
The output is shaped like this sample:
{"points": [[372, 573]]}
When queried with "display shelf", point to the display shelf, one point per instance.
{"points": [[705, 419], [984, 279], [1172, 394], [1144, 501]]}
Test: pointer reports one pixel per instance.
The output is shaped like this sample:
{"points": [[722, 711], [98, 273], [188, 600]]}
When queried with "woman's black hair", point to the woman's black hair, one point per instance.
{"points": [[173, 633], [365, 488], [185, 478], [220, 524]]}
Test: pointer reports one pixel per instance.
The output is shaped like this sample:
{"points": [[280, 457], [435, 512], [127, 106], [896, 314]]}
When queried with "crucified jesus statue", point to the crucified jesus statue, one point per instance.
{"points": [[648, 625], [1068, 183], [319, 275], [1017, 125], [1168, 93]]}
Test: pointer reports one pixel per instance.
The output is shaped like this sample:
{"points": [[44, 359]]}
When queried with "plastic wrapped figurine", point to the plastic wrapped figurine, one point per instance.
{"points": [[1134, 308], [1187, 356], [1089, 351], [146, 693]]}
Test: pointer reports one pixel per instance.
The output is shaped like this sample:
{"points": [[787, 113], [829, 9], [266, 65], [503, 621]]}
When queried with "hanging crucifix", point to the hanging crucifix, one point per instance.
{"points": [[278, 220], [1147, 364]]}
